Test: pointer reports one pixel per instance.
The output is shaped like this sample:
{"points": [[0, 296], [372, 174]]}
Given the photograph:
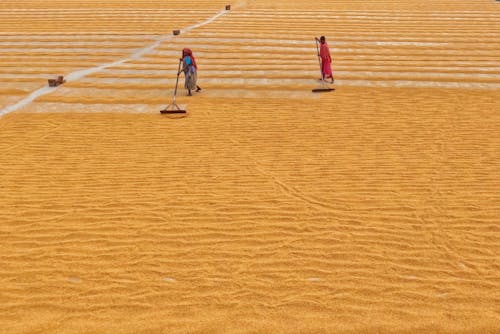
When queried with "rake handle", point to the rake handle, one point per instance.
{"points": [[319, 58], [177, 81]]}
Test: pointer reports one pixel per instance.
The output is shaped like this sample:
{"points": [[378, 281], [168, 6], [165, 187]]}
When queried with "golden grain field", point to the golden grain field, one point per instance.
{"points": [[267, 209]]}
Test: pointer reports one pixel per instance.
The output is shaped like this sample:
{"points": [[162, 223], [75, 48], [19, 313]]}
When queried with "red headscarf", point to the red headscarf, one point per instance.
{"points": [[188, 52]]}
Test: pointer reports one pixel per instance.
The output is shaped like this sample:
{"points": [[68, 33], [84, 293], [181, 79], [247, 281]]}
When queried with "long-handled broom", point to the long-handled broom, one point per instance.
{"points": [[324, 87], [173, 108]]}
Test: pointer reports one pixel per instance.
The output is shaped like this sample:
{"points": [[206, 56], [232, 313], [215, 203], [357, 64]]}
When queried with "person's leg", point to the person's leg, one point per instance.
{"points": [[186, 84], [198, 88], [189, 83]]}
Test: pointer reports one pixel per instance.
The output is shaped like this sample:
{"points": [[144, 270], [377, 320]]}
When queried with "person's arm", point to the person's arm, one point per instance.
{"points": [[186, 63], [183, 68], [317, 40]]}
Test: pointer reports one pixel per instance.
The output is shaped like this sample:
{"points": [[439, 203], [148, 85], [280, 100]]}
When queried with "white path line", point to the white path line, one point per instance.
{"points": [[83, 73], [418, 84]]}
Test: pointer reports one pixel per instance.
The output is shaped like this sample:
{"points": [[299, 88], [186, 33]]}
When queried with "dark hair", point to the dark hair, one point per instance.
{"points": [[322, 38]]}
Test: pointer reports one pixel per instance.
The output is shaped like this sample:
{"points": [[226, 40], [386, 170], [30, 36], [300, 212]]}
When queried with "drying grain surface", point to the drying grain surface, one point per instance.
{"points": [[371, 209]]}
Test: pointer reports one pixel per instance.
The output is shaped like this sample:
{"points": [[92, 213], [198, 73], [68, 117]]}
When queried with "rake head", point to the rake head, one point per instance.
{"points": [[173, 109], [324, 87], [322, 90]]}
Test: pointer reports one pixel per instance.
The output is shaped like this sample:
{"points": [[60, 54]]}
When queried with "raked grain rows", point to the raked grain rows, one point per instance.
{"points": [[372, 209], [253, 52]]}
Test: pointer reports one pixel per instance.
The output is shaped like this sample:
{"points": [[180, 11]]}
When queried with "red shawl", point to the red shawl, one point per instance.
{"points": [[324, 53]]}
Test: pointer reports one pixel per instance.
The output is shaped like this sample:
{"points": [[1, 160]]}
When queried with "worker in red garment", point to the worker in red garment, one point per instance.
{"points": [[326, 59]]}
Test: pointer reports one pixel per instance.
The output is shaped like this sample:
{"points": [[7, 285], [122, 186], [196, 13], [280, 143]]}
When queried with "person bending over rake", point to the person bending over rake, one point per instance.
{"points": [[190, 70], [326, 59]]}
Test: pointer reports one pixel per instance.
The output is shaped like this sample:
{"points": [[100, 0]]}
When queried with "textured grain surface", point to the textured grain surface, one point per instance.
{"points": [[372, 209]]}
